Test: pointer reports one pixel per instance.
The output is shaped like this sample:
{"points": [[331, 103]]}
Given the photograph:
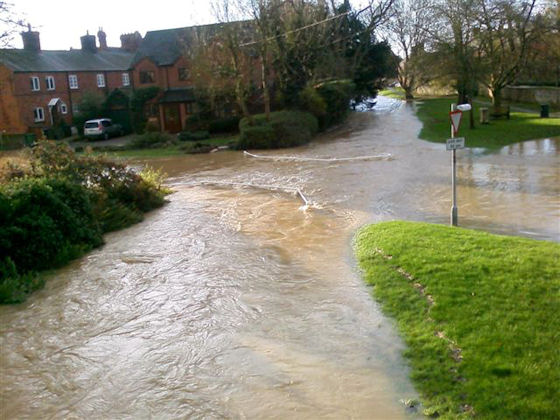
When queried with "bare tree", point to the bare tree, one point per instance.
{"points": [[9, 24], [408, 27], [505, 32]]}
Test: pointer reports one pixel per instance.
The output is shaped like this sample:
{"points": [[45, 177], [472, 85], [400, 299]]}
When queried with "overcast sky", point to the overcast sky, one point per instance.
{"points": [[62, 22]]}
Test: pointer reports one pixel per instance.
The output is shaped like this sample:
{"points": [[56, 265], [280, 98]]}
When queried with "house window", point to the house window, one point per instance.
{"points": [[63, 108], [73, 81], [100, 80], [147, 77], [183, 73], [50, 82], [125, 79], [35, 85], [75, 108], [39, 114]]}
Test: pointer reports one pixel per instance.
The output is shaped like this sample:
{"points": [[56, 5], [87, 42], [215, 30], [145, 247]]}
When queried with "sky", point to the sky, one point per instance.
{"points": [[61, 23]]}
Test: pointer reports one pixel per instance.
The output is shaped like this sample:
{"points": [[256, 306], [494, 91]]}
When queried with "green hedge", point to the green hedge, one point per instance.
{"points": [[285, 129]]}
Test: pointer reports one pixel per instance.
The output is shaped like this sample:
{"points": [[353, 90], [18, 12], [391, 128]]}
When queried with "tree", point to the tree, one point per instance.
{"points": [[9, 24], [505, 30], [408, 28]]}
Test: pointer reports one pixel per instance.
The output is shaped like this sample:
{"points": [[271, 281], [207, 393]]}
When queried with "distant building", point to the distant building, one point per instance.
{"points": [[40, 89]]}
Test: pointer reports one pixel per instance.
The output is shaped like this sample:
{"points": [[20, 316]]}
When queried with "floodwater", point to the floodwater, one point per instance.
{"points": [[241, 297]]}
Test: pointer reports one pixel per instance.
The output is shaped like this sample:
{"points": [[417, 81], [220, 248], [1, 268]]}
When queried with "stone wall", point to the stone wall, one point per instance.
{"points": [[531, 94]]}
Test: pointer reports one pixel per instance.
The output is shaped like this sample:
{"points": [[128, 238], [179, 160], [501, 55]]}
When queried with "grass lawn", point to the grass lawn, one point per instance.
{"points": [[480, 314], [174, 150], [434, 114], [393, 92]]}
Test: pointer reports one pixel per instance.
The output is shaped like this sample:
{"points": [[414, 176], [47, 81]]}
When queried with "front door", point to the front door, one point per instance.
{"points": [[171, 118]]}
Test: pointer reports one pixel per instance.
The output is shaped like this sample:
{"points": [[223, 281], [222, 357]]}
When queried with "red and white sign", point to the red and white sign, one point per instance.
{"points": [[455, 117]]}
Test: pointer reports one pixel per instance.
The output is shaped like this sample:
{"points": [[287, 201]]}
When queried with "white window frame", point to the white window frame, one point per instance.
{"points": [[75, 108], [100, 80], [126, 79], [49, 81], [73, 81], [63, 108], [39, 114], [35, 83]]}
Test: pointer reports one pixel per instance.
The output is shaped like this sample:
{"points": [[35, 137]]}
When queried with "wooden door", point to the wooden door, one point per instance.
{"points": [[171, 118]]}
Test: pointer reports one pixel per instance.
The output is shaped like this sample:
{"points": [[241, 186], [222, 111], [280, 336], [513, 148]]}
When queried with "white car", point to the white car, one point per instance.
{"points": [[102, 128]]}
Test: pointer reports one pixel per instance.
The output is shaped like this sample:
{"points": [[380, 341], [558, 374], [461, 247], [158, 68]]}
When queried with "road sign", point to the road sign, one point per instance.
{"points": [[455, 117], [455, 143]]}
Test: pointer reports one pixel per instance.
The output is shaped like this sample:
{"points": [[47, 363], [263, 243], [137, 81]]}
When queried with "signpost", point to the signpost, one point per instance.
{"points": [[454, 144]]}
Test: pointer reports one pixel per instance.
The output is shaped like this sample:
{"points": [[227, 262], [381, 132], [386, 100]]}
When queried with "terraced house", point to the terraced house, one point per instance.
{"points": [[40, 89]]}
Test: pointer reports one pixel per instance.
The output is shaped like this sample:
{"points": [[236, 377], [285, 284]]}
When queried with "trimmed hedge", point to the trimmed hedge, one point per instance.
{"points": [[285, 129]]}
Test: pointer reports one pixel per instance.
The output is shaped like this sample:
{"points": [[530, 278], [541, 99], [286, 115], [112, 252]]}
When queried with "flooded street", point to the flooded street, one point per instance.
{"points": [[241, 297]]}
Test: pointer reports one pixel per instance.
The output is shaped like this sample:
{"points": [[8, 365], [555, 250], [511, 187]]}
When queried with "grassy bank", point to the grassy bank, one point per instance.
{"points": [[480, 315], [434, 114]]}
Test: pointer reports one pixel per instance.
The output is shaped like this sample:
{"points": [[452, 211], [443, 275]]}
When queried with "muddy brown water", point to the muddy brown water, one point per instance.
{"points": [[236, 300]]}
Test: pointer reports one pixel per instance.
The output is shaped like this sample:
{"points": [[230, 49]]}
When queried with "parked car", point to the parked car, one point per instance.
{"points": [[102, 128]]}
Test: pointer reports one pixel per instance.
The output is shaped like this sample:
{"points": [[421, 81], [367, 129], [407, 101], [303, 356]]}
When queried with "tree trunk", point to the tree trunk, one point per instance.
{"points": [[408, 93], [266, 92], [496, 98]]}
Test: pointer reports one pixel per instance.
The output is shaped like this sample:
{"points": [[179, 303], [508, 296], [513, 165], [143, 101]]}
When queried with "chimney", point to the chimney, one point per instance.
{"points": [[131, 42], [31, 40], [88, 43], [102, 37]]}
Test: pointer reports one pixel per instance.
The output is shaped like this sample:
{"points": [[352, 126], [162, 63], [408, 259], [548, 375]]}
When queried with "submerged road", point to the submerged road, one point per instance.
{"points": [[240, 300]]}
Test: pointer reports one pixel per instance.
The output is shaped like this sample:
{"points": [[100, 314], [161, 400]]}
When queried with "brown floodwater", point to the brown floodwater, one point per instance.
{"points": [[241, 298]]}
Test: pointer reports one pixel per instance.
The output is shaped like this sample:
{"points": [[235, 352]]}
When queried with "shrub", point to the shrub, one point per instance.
{"points": [[193, 135], [336, 96], [60, 210], [285, 129], [224, 125], [46, 222]]}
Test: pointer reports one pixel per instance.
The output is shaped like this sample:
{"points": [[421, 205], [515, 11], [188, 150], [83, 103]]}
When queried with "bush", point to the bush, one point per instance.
{"points": [[336, 96], [285, 129], [46, 222], [60, 210], [224, 125], [193, 135]]}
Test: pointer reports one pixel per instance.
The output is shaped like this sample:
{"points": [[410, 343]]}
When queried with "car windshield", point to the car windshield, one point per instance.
{"points": [[91, 125]]}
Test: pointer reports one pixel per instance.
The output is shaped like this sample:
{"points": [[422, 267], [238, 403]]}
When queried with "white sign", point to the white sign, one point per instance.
{"points": [[455, 143], [455, 117]]}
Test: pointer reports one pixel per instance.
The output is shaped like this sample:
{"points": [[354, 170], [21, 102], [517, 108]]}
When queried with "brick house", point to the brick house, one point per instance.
{"points": [[40, 88]]}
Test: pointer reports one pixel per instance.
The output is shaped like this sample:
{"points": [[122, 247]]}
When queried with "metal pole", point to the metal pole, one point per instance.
{"points": [[453, 179]]}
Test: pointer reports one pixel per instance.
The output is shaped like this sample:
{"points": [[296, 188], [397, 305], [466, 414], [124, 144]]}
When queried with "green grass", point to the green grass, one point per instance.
{"points": [[434, 114], [480, 314], [174, 150], [393, 92]]}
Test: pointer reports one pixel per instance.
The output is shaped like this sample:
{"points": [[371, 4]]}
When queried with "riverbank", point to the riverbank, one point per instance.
{"points": [[479, 313]]}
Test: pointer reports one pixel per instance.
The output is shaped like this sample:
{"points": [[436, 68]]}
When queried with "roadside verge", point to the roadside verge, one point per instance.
{"points": [[480, 314]]}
